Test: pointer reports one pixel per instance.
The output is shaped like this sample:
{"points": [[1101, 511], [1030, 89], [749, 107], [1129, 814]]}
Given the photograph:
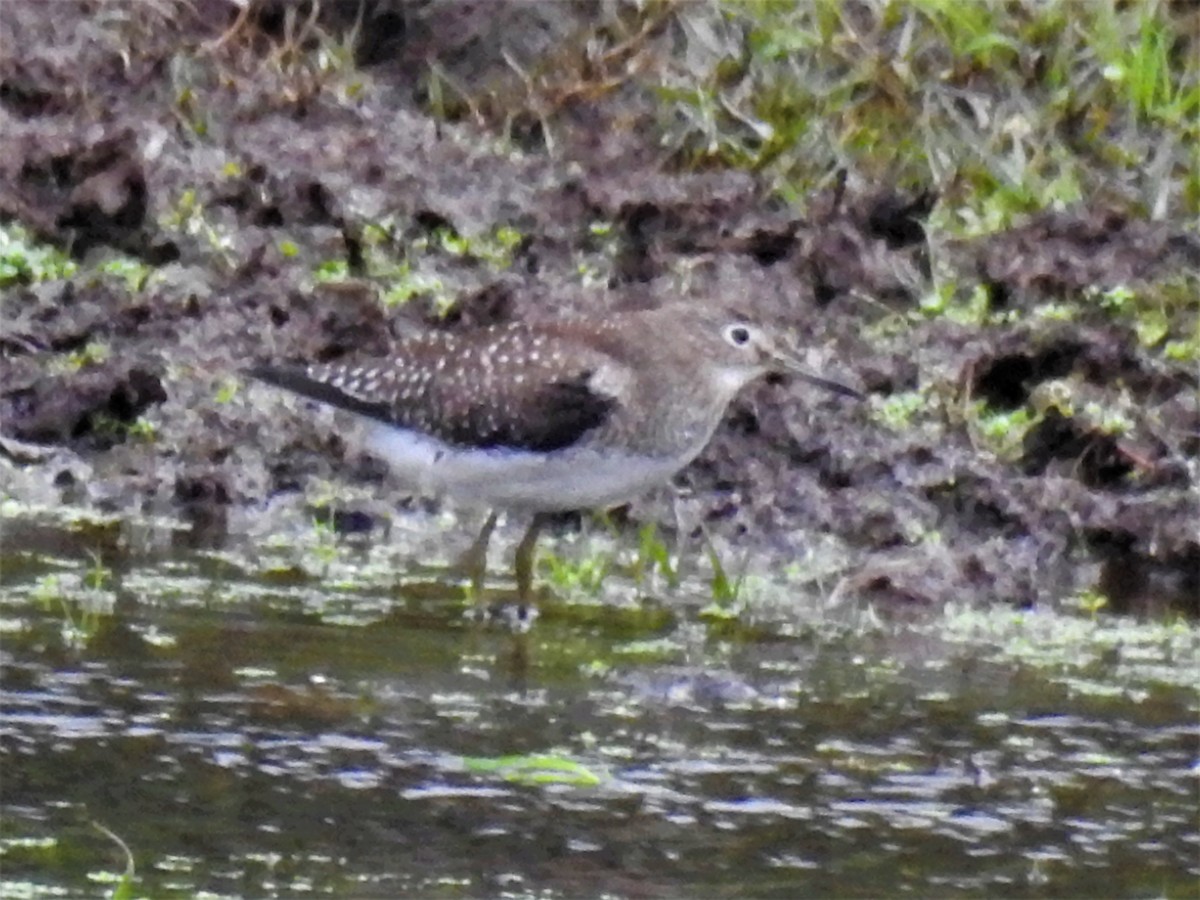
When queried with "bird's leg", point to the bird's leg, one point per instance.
{"points": [[474, 561], [525, 558], [688, 518]]}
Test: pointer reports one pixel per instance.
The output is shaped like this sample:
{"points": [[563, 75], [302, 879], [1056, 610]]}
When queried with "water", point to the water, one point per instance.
{"points": [[249, 726]]}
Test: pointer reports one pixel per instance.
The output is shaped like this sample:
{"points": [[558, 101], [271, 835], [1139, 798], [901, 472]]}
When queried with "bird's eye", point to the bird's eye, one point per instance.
{"points": [[738, 335]]}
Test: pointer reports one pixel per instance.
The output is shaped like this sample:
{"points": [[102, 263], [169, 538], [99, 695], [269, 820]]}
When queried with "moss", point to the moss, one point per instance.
{"points": [[189, 215], [404, 269], [948, 300], [1003, 431], [1164, 316], [24, 260], [93, 353], [898, 411], [133, 274]]}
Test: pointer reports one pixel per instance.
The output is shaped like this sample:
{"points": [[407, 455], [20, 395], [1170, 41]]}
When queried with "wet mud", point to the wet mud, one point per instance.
{"points": [[191, 142]]}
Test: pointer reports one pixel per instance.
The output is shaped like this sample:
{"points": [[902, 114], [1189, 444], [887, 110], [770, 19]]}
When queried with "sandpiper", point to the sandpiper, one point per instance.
{"points": [[574, 414]]}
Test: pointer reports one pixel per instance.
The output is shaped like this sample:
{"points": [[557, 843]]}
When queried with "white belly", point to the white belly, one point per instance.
{"points": [[572, 478]]}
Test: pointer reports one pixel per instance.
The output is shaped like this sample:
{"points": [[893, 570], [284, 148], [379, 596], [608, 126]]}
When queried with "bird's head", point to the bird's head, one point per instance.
{"points": [[742, 350]]}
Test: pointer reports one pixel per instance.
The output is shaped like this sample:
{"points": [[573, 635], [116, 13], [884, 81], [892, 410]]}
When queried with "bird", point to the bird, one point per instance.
{"points": [[578, 413]]}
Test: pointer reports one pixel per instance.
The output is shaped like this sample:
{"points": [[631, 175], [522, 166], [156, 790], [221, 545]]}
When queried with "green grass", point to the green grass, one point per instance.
{"points": [[1007, 107]]}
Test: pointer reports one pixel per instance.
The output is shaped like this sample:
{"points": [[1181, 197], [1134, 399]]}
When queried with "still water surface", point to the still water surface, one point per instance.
{"points": [[259, 731]]}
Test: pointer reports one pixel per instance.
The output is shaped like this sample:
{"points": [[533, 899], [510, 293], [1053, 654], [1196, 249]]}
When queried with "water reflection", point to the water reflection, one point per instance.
{"points": [[247, 737]]}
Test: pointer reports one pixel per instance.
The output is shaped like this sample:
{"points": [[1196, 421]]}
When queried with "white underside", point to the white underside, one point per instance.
{"points": [[572, 478]]}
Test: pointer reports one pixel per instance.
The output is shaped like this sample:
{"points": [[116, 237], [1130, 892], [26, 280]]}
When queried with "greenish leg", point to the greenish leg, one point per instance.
{"points": [[474, 561], [525, 558]]}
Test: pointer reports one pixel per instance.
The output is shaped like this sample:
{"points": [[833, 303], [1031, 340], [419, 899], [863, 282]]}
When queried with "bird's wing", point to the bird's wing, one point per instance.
{"points": [[498, 389]]}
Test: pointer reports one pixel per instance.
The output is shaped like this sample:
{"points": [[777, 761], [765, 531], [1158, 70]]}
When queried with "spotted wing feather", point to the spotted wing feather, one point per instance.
{"points": [[308, 381], [500, 388]]}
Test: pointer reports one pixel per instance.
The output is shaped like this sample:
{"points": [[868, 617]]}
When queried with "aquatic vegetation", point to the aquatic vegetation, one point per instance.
{"points": [[535, 769], [585, 575]]}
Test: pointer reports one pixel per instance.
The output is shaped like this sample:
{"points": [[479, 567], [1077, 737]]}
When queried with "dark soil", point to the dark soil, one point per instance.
{"points": [[231, 165]]}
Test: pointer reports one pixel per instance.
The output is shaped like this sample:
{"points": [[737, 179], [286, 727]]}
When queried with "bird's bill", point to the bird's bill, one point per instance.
{"points": [[789, 365]]}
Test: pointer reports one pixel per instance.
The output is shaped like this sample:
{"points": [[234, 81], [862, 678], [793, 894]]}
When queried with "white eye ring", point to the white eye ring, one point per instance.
{"points": [[738, 335]]}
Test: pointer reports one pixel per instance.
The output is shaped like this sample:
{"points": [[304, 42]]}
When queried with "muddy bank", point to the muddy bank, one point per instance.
{"points": [[225, 192]]}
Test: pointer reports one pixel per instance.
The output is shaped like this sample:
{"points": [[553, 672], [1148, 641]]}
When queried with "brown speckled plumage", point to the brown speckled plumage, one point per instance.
{"points": [[640, 379], [501, 387]]}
